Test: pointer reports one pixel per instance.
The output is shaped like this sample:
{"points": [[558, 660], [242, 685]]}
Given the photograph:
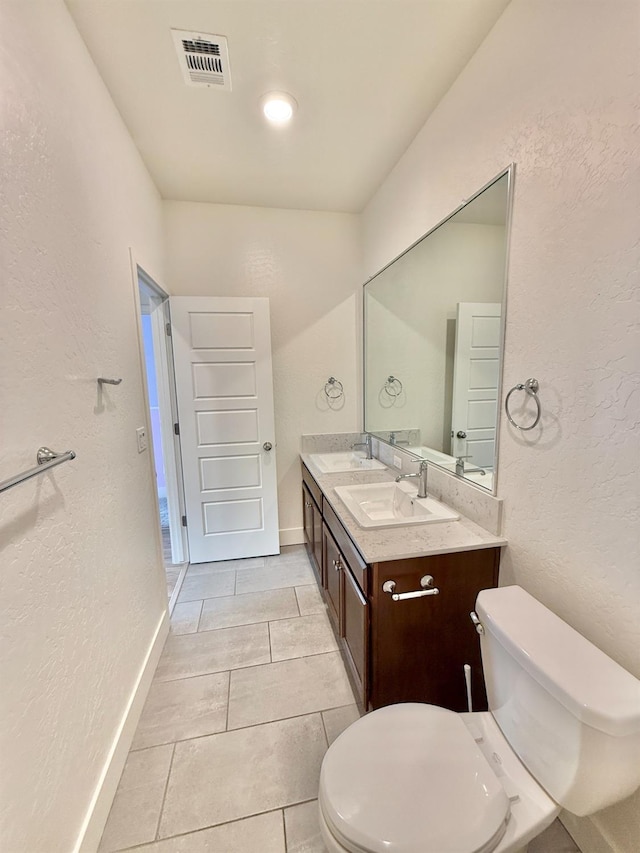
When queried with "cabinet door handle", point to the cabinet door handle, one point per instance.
{"points": [[308, 505], [426, 583], [337, 564]]}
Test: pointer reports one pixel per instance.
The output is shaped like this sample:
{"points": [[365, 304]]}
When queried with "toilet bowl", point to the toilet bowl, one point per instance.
{"points": [[563, 730]]}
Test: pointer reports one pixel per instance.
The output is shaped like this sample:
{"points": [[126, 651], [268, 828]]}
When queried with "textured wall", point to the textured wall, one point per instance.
{"points": [[308, 264], [554, 87], [82, 588]]}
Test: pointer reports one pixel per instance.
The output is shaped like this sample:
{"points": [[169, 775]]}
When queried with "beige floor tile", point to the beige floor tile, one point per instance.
{"points": [[303, 831], [185, 617], [213, 651], [337, 720], [555, 839], [306, 635], [260, 834], [208, 585], [289, 554], [189, 707], [310, 600], [236, 774], [135, 812], [275, 576], [290, 688], [248, 608], [224, 566]]}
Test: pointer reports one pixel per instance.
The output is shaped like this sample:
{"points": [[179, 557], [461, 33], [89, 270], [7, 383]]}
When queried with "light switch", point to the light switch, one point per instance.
{"points": [[141, 433]]}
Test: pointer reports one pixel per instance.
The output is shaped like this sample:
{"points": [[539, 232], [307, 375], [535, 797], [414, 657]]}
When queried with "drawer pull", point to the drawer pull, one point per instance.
{"points": [[425, 582]]}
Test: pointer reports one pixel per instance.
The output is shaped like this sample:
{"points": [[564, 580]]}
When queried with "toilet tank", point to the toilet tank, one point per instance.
{"points": [[570, 712]]}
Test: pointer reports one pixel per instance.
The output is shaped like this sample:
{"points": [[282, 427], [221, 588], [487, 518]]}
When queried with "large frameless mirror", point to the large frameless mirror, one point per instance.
{"points": [[433, 339]]}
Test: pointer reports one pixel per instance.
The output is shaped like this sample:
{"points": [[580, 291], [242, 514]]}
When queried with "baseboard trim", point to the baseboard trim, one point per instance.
{"points": [[176, 590], [98, 811], [292, 536]]}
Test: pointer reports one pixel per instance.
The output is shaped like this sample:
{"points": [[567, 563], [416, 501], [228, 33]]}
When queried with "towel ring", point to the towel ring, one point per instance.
{"points": [[531, 386], [393, 386], [333, 388]]}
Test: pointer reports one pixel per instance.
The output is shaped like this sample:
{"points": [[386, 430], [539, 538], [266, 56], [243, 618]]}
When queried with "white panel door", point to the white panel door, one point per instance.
{"points": [[476, 376], [222, 353]]}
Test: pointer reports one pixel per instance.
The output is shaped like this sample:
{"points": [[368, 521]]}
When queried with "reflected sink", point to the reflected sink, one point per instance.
{"points": [[392, 505], [333, 463]]}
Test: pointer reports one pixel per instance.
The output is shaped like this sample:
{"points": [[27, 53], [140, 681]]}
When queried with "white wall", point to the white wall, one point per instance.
{"points": [[554, 87], [308, 264], [82, 583]]}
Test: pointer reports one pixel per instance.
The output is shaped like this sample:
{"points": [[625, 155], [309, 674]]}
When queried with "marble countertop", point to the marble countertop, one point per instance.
{"points": [[399, 543]]}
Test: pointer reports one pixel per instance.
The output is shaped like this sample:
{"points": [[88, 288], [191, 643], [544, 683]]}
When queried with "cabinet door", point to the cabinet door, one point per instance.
{"points": [[332, 578], [317, 543], [310, 516], [356, 628], [307, 515]]}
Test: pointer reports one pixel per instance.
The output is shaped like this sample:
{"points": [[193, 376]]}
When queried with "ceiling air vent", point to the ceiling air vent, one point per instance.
{"points": [[204, 59]]}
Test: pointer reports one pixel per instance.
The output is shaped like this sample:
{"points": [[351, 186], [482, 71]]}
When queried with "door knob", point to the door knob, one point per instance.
{"points": [[461, 433], [267, 445]]}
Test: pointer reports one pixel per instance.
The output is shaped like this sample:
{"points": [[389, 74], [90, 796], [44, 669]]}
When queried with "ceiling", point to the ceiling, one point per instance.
{"points": [[366, 75]]}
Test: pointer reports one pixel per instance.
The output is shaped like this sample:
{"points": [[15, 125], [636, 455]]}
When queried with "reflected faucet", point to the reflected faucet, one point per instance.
{"points": [[366, 443], [422, 475], [394, 441], [461, 470]]}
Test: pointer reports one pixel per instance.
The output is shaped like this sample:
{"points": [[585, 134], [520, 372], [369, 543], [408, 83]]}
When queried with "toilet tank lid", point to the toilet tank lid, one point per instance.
{"points": [[592, 686]]}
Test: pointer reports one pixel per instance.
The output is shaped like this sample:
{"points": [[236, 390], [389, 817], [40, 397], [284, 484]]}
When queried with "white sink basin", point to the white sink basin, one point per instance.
{"points": [[332, 463], [392, 505]]}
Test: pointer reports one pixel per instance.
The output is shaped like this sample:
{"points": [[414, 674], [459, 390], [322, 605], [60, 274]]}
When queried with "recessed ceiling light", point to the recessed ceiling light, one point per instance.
{"points": [[278, 107]]}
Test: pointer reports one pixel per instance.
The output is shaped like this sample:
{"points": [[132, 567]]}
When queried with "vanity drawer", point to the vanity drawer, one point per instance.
{"points": [[352, 556]]}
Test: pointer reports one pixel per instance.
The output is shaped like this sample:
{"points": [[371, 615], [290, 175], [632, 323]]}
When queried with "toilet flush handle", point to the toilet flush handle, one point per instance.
{"points": [[476, 621]]}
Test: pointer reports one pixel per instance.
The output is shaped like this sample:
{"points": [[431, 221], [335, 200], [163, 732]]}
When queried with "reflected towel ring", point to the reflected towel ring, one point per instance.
{"points": [[333, 388], [393, 386], [531, 386]]}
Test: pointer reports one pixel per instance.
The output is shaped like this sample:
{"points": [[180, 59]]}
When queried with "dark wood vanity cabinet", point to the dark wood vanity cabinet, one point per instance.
{"points": [[412, 650]]}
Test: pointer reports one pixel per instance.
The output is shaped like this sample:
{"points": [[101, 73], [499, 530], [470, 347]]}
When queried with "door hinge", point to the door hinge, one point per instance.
{"points": [[176, 429], [184, 520], [167, 328]]}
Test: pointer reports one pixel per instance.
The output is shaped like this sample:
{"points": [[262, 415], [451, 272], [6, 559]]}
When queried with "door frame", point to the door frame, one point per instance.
{"points": [[167, 405]]}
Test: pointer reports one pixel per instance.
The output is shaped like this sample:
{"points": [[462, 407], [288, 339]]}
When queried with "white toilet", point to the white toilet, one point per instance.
{"points": [[563, 731]]}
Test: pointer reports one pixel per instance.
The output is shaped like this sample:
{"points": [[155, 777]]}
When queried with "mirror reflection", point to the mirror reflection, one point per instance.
{"points": [[434, 340]]}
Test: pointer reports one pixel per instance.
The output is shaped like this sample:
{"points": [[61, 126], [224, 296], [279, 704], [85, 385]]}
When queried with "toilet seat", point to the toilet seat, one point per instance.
{"points": [[410, 778]]}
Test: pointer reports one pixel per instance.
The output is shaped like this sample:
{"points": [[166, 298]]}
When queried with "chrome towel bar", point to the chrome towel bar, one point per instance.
{"points": [[46, 459], [425, 582]]}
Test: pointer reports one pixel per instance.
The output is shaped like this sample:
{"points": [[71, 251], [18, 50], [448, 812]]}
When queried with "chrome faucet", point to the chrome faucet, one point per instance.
{"points": [[366, 443], [422, 475], [461, 470]]}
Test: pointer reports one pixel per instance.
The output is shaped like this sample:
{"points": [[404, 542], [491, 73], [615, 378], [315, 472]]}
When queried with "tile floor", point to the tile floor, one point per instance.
{"points": [[249, 692]]}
